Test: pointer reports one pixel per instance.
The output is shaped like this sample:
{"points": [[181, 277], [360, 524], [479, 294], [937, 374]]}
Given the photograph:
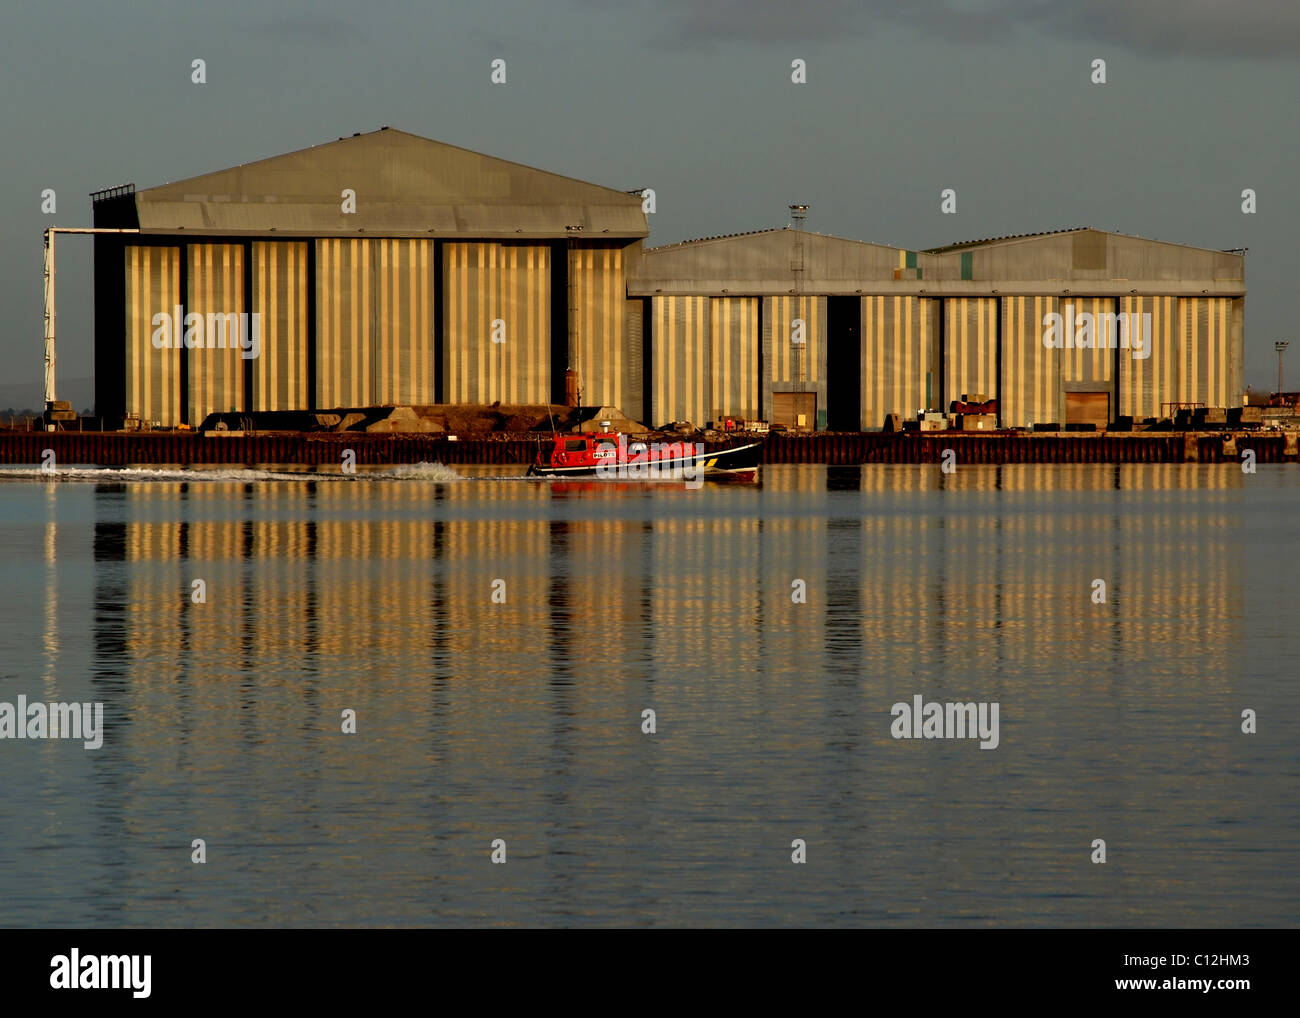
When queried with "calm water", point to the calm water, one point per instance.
{"points": [[521, 720]]}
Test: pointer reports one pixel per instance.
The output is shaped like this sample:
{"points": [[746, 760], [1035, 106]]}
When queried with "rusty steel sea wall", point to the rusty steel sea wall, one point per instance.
{"points": [[121, 449]]}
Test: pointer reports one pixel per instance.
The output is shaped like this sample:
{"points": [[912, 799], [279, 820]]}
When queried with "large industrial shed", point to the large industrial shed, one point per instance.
{"points": [[889, 330], [392, 269], [459, 277]]}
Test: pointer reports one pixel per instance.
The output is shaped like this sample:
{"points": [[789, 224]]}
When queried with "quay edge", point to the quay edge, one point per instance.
{"points": [[113, 449]]}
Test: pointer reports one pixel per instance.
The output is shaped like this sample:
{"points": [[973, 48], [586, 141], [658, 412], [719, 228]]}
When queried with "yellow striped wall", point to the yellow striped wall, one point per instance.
{"points": [[898, 348], [680, 350], [153, 379], [343, 309], [402, 342], [733, 357], [1147, 383], [216, 286], [970, 339], [634, 363], [1033, 375], [787, 362], [1191, 356], [597, 299], [1092, 364], [1204, 327], [482, 283], [1031, 372], [280, 297], [374, 322]]}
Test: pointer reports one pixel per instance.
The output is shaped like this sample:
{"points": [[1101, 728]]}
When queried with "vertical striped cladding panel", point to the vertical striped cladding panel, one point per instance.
{"points": [[898, 341], [681, 356], [505, 284], [970, 346], [280, 298], [343, 325], [374, 332], [1031, 372], [402, 340], [633, 371], [788, 361], [216, 291], [1088, 363], [733, 357], [1145, 383], [1204, 328], [153, 377], [599, 297]]}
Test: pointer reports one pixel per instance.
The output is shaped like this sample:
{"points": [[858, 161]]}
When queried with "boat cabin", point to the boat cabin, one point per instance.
{"points": [[587, 450]]}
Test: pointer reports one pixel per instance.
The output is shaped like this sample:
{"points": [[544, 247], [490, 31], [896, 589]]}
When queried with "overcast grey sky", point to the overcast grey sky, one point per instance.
{"points": [[693, 98]]}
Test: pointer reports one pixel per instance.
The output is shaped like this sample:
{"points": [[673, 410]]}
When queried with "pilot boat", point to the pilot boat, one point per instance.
{"points": [[611, 455]]}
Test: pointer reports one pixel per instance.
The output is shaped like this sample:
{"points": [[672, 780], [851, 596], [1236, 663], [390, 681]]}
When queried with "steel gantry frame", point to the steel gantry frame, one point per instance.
{"points": [[51, 358]]}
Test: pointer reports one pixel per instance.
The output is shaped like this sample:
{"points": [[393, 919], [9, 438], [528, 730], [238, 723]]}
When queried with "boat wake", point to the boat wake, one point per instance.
{"points": [[416, 472]]}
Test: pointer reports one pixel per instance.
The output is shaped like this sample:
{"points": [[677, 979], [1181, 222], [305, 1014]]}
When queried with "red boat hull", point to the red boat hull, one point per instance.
{"points": [[609, 456]]}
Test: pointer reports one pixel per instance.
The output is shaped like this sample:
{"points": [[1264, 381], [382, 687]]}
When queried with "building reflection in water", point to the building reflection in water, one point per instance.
{"points": [[310, 578], [377, 597]]}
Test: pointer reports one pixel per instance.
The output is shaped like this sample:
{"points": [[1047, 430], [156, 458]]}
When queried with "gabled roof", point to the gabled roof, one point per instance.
{"points": [[808, 237], [405, 185], [1025, 238], [706, 240], [761, 261], [790, 261], [997, 240]]}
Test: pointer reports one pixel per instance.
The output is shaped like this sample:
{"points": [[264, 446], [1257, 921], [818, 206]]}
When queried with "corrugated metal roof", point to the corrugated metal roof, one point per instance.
{"points": [[720, 236], [994, 240], [962, 245], [405, 185], [760, 261], [759, 233]]}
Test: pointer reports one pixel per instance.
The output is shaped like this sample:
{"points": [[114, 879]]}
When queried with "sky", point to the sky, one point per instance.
{"points": [[992, 98]]}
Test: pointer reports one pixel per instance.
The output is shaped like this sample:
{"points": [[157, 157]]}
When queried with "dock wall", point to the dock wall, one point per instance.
{"points": [[122, 449]]}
